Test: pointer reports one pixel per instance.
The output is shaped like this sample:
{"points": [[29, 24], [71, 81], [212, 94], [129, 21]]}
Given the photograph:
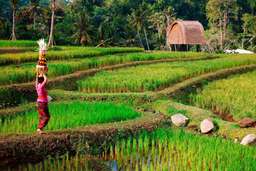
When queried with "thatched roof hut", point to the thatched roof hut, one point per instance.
{"points": [[185, 33]]}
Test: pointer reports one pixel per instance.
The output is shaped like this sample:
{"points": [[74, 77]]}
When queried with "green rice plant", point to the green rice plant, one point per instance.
{"points": [[26, 72], [172, 110], [66, 115], [18, 43], [163, 149], [156, 76], [177, 150], [234, 95], [64, 53]]}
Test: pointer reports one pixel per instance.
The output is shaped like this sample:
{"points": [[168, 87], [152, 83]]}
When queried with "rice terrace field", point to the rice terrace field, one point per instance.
{"points": [[110, 111], [127, 85]]}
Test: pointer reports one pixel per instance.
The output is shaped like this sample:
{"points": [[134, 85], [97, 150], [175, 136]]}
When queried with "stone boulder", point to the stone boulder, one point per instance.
{"points": [[179, 120], [206, 126], [247, 122], [249, 139]]}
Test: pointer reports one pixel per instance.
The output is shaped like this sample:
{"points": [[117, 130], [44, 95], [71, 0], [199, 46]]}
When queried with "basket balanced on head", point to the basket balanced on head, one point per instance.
{"points": [[41, 67]]}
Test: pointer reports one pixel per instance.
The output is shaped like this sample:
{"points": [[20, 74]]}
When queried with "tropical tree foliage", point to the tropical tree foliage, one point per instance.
{"points": [[126, 22]]}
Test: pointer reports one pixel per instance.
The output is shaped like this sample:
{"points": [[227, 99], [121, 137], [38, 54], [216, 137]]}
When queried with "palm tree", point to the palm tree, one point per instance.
{"points": [[82, 25], [81, 10], [169, 18], [105, 29], [137, 19], [14, 4], [32, 10], [53, 8], [160, 21], [157, 21]]}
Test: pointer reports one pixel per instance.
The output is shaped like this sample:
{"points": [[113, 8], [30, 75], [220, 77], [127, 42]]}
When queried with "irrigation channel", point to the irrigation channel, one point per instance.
{"points": [[144, 143]]}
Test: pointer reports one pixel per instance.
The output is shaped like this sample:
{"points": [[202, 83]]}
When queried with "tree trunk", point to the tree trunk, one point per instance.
{"points": [[138, 32], [168, 20], [34, 21], [13, 36], [225, 20], [166, 40], [145, 33], [50, 42], [221, 34]]}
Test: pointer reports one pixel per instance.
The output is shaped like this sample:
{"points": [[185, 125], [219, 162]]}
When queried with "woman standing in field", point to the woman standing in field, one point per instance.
{"points": [[42, 102], [41, 81]]}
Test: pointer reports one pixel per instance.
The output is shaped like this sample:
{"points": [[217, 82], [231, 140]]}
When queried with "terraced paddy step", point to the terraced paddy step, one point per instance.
{"points": [[234, 96], [67, 114], [171, 91], [25, 72], [15, 147], [228, 130], [223, 73], [161, 149], [64, 53], [155, 77], [69, 81], [32, 147], [88, 72]]}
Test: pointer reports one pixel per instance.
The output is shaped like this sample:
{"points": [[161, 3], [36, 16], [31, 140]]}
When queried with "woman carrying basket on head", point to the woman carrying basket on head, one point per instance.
{"points": [[41, 82]]}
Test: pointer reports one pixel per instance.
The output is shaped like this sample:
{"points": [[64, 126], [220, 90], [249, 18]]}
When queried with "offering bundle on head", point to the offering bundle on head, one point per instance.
{"points": [[41, 66]]}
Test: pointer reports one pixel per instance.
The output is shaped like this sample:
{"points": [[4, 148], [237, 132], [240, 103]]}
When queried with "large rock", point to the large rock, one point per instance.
{"points": [[179, 120], [247, 122], [206, 126], [249, 139]]}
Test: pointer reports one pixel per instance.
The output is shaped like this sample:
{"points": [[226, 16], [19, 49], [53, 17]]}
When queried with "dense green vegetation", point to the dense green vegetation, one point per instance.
{"points": [[168, 149], [156, 76], [66, 115], [228, 24], [235, 95], [116, 32], [25, 72], [18, 43], [163, 149], [64, 53]]}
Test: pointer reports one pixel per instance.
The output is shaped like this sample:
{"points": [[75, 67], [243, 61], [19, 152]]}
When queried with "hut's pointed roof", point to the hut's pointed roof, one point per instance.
{"points": [[185, 32]]}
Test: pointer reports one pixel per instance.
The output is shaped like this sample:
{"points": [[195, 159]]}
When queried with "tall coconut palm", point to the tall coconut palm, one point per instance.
{"points": [[104, 29], [81, 10], [136, 22], [32, 10], [137, 19], [157, 21], [53, 8], [14, 4], [82, 25], [169, 18]]}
